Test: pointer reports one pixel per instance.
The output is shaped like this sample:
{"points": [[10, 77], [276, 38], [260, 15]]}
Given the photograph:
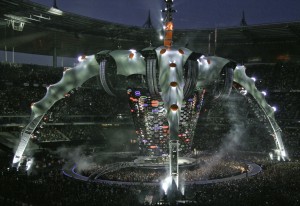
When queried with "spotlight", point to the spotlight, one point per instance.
{"points": [[271, 155], [254, 79], [182, 190], [264, 93], [55, 11], [81, 58], [243, 92], [274, 108], [131, 55], [199, 62], [166, 184]]}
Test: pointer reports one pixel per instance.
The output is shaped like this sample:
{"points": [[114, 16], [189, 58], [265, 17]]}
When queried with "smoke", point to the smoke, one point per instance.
{"points": [[75, 155], [233, 139], [118, 139]]}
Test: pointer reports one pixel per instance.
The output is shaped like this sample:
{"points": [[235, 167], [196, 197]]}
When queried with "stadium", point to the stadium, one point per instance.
{"points": [[128, 115]]}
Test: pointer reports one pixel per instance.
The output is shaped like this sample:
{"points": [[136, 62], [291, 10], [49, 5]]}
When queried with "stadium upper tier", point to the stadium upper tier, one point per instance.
{"points": [[72, 34]]}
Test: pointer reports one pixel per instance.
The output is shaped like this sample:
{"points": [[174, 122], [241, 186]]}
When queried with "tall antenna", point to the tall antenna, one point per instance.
{"points": [[148, 23], [168, 24], [243, 21], [54, 4]]}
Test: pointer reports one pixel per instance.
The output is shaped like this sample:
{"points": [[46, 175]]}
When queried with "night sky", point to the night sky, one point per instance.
{"points": [[191, 13]]}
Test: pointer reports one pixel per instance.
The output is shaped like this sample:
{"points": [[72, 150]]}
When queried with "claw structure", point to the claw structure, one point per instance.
{"points": [[166, 110]]}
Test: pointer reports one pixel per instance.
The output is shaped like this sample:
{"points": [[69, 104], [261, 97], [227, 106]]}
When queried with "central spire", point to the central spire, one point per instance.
{"points": [[168, 23], [54, 4]]}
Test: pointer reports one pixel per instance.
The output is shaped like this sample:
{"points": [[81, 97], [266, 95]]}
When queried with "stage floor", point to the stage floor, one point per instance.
{"points": [[70, 171]]}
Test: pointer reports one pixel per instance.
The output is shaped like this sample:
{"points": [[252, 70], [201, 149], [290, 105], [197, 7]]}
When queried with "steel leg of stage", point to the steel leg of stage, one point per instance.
{"points": [[173, 154]]}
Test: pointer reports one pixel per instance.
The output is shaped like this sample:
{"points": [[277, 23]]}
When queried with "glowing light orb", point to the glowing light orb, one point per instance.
{"points": [[131, 55], [81, 58], [244, 92]]}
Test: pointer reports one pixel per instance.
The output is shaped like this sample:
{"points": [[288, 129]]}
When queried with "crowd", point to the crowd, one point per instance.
{"points": [[86, 101], [208, 167], [17, 100], [218, 170], [49, 134], [281, 76], [276, 185], [26, 84], [215, 170], [29, 74], [236, 121], [76, 133], [84, 132], [48, 186]]}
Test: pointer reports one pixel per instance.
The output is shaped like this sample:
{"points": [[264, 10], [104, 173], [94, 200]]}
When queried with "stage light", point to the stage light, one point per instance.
{"points": [[199, 62], [174, 107], [81, 58], [29, 163], [162, 51], [271, 155], [172, 65], [166, 184], [264, 93], [254, 79], [182, 190], [244, 92], [173, 84], [181, 51], [161, 37], [274, 108], [55, 11], [131, 55]]}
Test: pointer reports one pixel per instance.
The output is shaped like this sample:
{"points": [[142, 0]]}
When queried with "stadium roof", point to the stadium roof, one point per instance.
{"points": [[74, 34]]}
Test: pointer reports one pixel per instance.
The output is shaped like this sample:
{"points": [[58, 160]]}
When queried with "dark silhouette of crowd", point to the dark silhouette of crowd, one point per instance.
{"points": [[26, 84], [278, 184]]}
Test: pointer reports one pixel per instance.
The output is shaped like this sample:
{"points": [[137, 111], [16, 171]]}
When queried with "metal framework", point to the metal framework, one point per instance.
{"points": [[177, 79]]}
